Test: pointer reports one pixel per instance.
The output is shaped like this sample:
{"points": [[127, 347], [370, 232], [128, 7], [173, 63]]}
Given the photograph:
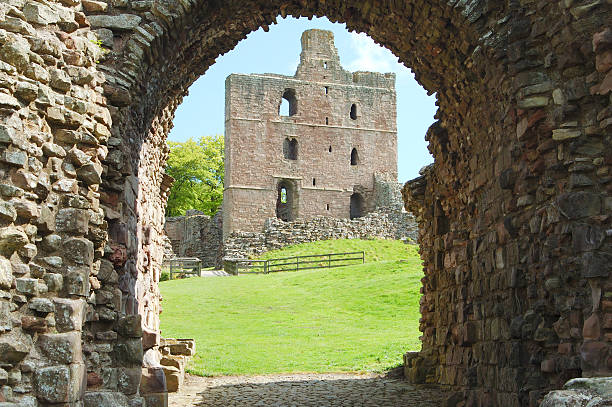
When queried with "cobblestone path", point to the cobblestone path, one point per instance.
{"points": [[303, 390]]}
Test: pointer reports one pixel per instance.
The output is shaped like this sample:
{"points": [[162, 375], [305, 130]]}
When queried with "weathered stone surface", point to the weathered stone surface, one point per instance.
{"points": [[6, 274], [64, 348], [69, 314], [42, 305], [71, 220], [79, 250], [130, 326], [60, 384], [105, 399], [14, 347], [27, 286], [128, 353], [118, 22]]}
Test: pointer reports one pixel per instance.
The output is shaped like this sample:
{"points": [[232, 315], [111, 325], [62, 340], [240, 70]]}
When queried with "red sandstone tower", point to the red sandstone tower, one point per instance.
{"points": [[317, 159]]}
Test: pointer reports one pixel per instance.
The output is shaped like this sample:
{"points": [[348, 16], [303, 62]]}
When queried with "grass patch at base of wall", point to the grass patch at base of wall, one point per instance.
{"points": [[356, 318]]}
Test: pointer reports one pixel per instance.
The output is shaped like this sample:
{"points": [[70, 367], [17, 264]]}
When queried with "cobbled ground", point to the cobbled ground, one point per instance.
{"points": [[304, 390]]}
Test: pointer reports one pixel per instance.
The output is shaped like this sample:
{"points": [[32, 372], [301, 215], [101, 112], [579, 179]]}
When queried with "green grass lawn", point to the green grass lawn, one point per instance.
{"points": [[356, 318]]}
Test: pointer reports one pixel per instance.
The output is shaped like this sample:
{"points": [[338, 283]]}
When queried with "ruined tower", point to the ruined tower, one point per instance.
{"points": [[318, 158]]}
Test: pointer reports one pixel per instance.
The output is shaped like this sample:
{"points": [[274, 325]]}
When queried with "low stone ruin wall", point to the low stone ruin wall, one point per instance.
{"points": [[197, 235], [278, 234]]}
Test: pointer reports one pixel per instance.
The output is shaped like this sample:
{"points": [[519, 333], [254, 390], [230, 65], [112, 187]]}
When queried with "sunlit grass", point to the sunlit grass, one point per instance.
{"points": [[356, 318]]}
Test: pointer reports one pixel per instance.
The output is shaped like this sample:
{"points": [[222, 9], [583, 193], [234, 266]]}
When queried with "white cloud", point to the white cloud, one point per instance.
{"points": [[371, 56]]}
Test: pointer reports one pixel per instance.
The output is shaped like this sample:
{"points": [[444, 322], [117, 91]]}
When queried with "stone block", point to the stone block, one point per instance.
{"points": [[76, 281], [71, 220], [14, 158], [6, 324], [128, 353], [14, 346], [596, 264], [33, 324], [54, 281], [60, 384], [174, 378], [27, 286], [79, 251], [121, 22], [576, 205], [7, 212], [153, 381], [6, 274], [150, 338], [62, 348], [130, 326], [105, 399], [69, 314], [11, 240], [128, 380], [42, 305], [156, 399]]}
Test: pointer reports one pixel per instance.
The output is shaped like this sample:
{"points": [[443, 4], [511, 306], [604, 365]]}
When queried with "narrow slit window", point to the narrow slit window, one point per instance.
{"points": [[314, 182], [330, 149], [354, 157], [326, 90], [327, 120], [325, 65], [327, 206], [354, 111]]}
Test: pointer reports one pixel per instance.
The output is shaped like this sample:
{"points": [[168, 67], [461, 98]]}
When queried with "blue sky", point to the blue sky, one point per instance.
{"points": [[278, 51]]}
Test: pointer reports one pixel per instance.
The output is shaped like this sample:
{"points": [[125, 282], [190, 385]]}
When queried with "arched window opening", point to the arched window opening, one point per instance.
{"points": [[290, 149], [356, 206], [327, 90], [354, 111], [286, 202], [325, 65], [288, 106], [354, 157]]}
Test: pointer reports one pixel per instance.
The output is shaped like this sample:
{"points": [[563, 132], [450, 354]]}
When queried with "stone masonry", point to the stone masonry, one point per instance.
{"points": [[340, 130], [277, 234], [514, 214], [197, 235]]}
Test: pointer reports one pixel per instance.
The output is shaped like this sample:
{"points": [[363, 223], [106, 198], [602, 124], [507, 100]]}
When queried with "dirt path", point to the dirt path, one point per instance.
{"points": [[303, 390]]}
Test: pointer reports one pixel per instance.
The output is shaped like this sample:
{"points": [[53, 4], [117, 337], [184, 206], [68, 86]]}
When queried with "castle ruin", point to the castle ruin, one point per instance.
{"points": [[321, 157]]}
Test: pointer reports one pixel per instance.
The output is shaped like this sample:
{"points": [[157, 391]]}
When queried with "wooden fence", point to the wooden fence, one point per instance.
{"points": [[295, 263]]}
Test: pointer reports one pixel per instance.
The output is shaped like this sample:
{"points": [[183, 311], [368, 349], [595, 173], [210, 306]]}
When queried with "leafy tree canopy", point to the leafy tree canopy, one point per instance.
{"points": [[198, 170]]}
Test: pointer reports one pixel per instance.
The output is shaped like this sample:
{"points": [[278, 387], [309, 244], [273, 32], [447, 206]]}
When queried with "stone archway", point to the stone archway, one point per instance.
{"points": [[513, 212]]}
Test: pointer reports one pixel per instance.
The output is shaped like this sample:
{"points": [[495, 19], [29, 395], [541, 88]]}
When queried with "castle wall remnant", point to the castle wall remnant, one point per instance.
{"points": [[319, 157], [197, 235], [514, 214], [276, 233]]}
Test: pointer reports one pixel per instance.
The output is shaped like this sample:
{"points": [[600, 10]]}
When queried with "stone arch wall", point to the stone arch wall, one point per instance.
{"points": [[518, 196]]}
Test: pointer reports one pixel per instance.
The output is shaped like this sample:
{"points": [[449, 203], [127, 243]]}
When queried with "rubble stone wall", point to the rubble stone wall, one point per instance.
{"points": [[197, 235], [277, 234], [514, 215]]}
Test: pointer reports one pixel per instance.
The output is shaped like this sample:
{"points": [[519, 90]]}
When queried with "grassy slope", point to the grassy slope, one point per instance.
{"points": [[345, 319]]}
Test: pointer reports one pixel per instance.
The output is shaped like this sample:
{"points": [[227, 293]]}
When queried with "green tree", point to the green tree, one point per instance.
{"points": [[198, 170]]}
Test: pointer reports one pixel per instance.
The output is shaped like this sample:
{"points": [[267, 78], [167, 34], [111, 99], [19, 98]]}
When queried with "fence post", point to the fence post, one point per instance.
{"points": [[297, 262], [329, 261], [171, 267], [266, 267], [362, 257]]}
